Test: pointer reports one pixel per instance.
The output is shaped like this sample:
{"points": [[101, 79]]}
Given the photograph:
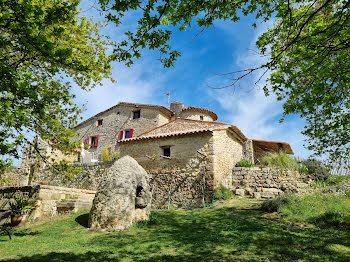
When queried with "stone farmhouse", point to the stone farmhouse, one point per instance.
{"points": [[183, 141], [184, 149]]}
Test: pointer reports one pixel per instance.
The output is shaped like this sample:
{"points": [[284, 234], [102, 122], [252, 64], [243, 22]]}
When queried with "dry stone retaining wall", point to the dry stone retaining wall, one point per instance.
{"points": [[267, 182], [50, 200]]}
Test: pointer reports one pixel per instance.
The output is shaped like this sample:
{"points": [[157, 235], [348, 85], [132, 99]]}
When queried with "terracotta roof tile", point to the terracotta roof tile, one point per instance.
{"points": [[273, 145], [164, 135]]}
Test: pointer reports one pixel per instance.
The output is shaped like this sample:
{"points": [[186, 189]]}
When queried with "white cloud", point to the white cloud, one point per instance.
{"points": [[247, 107], [141, 83]]}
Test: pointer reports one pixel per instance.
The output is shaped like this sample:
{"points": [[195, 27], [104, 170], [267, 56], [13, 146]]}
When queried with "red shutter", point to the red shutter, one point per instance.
{"points": [[131, 132], [121, 135], [96, 141], [87, 140]]}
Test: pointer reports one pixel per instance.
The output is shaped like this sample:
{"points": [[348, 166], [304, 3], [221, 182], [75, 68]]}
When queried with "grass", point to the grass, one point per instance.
{"points": [[234, 231], [318, 208]]}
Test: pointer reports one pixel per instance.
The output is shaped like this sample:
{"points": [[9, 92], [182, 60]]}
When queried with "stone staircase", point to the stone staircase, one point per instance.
{"points": [[72, 205]]}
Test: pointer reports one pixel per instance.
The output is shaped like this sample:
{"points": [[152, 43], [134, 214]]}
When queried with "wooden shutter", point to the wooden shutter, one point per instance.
{"points": [[121, 135], [87, 140], [131, 132], [96, 141]]}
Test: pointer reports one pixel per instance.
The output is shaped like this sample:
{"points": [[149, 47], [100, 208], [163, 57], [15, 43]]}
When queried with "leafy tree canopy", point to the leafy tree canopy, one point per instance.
{"points": [[307, 53], [45, 45]]}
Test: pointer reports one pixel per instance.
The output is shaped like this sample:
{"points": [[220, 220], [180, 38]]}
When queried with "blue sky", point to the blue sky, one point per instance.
{"points": [[225, 48]]}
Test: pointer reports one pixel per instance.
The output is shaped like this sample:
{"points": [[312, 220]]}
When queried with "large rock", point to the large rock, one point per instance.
{"points": [[123, 196]]}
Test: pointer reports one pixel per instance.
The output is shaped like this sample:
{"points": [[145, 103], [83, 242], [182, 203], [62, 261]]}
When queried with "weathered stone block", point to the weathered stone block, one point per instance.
{"points": [[240, 192], [115, 206]]}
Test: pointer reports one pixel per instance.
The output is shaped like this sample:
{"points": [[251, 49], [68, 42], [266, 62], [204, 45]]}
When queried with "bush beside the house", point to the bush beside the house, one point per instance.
{"points": [[222, 193], [244, 163]]}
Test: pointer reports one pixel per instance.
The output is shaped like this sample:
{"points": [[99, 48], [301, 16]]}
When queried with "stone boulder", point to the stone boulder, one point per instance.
{"points": [[123, 196]]}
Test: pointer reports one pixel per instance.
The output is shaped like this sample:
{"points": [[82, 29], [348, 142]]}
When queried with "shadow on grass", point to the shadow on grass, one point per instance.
{"points": [[82, 220], [18, 232], [222, 234], [225, 234], [60, 256]]}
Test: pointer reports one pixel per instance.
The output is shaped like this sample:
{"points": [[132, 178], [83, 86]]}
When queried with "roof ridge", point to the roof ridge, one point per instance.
{"points": [[120, 104]]}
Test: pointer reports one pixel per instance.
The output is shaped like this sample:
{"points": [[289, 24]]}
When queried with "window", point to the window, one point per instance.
{"points": [[99, 122], [128, 134], [136, 114], [166, 151], [201, 117], [94, 141]]}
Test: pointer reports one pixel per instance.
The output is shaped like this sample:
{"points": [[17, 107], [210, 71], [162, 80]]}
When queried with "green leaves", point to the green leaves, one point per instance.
{"points": [[42, 45], [307, 51]]}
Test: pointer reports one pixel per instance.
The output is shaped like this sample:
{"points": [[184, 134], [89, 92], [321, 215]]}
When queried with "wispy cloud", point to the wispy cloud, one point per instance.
{"points": [[140, 83], [246, 105]]}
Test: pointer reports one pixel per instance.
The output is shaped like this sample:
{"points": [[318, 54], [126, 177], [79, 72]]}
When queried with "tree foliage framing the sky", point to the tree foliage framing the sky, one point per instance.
{"points": [[307, 52], [45, 46]]}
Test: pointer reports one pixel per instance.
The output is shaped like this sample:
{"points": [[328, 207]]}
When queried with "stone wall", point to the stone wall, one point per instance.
{"points": [[118, 119], [49, 200], [185, 177], [15, 178], [88, 179], [227, 151], [196, 115], [180, 124], [267, 182]]}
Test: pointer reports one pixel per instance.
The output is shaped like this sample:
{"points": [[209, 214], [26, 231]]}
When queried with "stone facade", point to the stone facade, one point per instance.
{"points": [[267, 182], [227, 151], [116, 120], [186, 152], [179, 179], [184, 125], [196, 115], [49, 200]]}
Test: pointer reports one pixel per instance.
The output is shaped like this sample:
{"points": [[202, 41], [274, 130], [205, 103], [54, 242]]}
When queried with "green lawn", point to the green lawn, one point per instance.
{"points": [[235, 231]]}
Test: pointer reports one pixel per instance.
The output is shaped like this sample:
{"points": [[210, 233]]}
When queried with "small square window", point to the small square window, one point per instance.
{"points": [[127, 134], [99, 122], [166, 151], [136, 114], [201, 117]]}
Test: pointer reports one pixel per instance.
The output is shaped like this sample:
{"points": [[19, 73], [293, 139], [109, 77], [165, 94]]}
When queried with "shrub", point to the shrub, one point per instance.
{"points": [[244, 163], [337, 179], [222, 193], [319, 184], [108, 155], [316, 168], [273, 205], [303, 169], [281, 160], [329, 218]]}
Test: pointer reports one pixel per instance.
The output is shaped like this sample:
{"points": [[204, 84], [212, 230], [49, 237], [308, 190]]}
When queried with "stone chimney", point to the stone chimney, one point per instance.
{"points": [[176, 107]]}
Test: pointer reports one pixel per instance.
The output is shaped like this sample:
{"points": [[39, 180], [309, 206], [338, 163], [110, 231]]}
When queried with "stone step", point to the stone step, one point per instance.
{"points": [[72, 205]]}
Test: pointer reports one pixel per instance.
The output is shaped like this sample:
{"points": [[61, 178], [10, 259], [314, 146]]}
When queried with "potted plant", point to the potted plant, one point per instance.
{"points": [[21, 209]]}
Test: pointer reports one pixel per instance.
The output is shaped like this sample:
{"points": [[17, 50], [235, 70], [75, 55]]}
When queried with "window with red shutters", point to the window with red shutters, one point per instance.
{"points": [[94, 141], [121, 135], [131, 133]]}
